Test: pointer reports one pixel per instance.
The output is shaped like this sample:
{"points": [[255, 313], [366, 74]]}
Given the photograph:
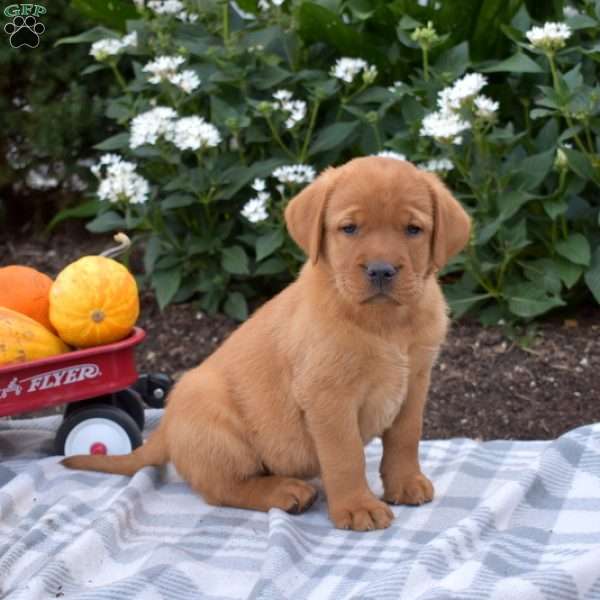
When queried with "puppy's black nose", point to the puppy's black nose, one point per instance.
{"points": [[380, 273]]}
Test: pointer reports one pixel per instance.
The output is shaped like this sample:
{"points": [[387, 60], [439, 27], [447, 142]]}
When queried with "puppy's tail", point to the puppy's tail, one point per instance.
{"points": [[152, 453]]}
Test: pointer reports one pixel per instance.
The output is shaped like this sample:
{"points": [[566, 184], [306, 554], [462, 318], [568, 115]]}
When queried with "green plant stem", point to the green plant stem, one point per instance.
{"points": [[278, 139], [425, 53], [226, 23], [311, 126], [121, 81], [377, 136], [557, 88]]}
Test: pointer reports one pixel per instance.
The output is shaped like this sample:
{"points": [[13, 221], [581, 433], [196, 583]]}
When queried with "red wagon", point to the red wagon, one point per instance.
{"points": [[104, 395]]}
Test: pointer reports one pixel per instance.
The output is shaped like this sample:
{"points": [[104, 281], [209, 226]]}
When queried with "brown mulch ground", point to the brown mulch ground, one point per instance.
{"points": [[484, 385]]}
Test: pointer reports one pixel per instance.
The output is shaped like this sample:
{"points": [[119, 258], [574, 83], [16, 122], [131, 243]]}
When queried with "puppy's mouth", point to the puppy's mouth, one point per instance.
{"points": [[380, 298]]}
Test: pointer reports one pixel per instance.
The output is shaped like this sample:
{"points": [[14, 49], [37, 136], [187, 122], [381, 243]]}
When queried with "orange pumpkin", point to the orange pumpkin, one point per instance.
{"points": [[24, 339], [94, 301], [26, 290]]}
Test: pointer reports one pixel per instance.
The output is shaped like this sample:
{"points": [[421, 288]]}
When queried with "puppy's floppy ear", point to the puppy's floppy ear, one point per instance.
{"points": [[305, 214], [452, 225]]}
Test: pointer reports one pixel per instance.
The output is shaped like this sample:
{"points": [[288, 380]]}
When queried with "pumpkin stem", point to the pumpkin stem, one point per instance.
{"points": [[124, 242]]}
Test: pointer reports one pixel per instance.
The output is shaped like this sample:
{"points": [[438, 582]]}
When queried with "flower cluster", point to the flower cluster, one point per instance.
{"points": [[437, 165], [172, 7], [391, 154], [255, 209], [447, 124], [119, 182], [295, 109], [165, 68], [295, 174], [187, 133], [265, 5], [103, 49], [550, 37], [347, 69]]}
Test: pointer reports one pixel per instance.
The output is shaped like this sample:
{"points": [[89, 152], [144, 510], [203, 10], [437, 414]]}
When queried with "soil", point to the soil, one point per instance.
{"points": [[484, 386]]}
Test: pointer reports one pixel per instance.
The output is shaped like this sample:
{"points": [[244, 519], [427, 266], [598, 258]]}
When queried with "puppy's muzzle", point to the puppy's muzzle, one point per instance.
{"points": [[380, 275]]}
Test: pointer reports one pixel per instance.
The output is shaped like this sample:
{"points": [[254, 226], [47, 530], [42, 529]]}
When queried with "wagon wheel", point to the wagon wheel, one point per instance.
{"points": [[128, 399], [153, 387], [99, 429]]}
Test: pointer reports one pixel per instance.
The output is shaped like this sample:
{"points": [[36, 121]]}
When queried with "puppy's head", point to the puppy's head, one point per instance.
{"points": [[380, 225]]}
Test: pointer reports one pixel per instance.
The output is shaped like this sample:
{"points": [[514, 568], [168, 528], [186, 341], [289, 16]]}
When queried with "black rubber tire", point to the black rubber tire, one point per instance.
{"points": [[153, 387], [131, 402], [112, 413]]}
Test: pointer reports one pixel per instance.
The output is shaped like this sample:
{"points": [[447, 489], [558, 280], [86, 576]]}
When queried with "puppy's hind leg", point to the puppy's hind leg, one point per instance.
{"points": [[211, 449]]}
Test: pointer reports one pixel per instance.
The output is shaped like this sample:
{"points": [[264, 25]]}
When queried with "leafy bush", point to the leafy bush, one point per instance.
{"points": [[225, 118], [49, 117]]}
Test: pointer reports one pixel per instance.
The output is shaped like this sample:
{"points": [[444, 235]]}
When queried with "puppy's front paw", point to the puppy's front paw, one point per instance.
{"points": [[364, 514], [413, 489]]}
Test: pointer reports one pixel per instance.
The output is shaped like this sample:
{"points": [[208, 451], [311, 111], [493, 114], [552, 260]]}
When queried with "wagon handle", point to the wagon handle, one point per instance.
{"points": [[124, 243]]}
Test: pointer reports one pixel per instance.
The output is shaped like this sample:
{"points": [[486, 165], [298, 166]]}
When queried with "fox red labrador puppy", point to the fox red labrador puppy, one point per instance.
{"points": [[340, 356]]}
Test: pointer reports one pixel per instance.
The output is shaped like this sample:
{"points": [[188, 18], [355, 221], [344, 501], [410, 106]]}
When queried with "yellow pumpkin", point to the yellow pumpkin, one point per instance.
{"points": [[94, 301], [22, 339]]}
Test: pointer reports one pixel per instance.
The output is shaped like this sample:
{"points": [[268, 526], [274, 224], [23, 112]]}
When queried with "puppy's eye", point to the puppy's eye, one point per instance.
{"points": [[413, 230], [350, 229]]}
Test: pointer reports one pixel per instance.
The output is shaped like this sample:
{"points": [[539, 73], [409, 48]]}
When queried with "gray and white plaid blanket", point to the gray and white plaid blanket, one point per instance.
{"points": [[511, 520]]}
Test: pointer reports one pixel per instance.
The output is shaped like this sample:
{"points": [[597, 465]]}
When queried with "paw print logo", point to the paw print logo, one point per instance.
{"points": [[24, 31]]}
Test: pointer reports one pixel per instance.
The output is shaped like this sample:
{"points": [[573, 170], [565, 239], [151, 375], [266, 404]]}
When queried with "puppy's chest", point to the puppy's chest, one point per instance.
{"points": [[384, 395]]}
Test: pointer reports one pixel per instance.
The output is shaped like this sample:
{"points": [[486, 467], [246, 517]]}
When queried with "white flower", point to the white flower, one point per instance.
{"points": [[294, 174], [462, 90], [550, 37], [283, 95], [397, 87], [148, 127], [102, 49], [347, 69], [265, 5], [130, 40], [390, 154], [193, 133], [437, 165], [444, 127], [255, 210], [187, 80], [163, 67], [121, 183], [259, 185], [485, 107], [296, 109], [570, 12], [172, 7]]}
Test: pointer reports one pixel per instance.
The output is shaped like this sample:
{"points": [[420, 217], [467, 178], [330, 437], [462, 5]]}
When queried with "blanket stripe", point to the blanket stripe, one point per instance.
{"points": [[511, 520]]}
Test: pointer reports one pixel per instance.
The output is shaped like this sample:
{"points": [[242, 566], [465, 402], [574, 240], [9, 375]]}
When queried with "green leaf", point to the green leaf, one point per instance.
{"points": [[166, 283], [82, 211], [116, 142], [575, 248], [517, 63], [544, 273], [333, 135], [592, 276], [88, 37], [461, 300], [178, 201], [567, 271], [580, 164], [527, 300], [454, 61], [534, 169], [108, 221], [271, 266], [236, 306], [267, 244], [234, 260], [151, 254], [113, 13]]}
